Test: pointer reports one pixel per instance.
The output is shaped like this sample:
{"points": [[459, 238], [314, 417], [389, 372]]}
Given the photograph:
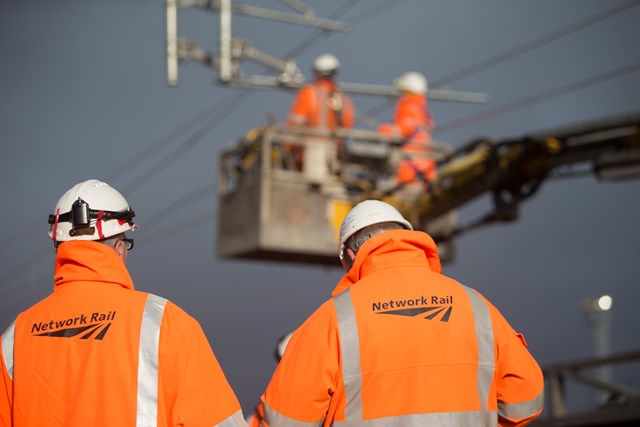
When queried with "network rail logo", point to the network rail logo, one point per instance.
{"points": [[84, 326], [430, 308]]}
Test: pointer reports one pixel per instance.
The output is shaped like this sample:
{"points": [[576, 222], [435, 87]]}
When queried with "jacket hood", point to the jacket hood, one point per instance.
{"points": [[89, 261], [391, 248]]}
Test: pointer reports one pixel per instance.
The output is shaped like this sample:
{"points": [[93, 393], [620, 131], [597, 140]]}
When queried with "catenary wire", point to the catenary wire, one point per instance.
{"points": [[515, 52], [517, 104], [228, 104], [162, 143], [447, 127], [181, 227], [535, 99], [179, 204], [533, 44]]}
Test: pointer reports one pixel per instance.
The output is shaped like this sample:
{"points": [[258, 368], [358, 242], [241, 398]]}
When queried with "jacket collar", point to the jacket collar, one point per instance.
{"points": [[391, 249], [415, 98], [79, 260], [326, 84]]}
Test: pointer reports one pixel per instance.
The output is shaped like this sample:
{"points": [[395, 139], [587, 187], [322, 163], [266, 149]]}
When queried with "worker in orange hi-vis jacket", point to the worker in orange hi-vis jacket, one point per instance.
{"points": [[414, 123], [321, 104], [96, 352], [401, 344]]}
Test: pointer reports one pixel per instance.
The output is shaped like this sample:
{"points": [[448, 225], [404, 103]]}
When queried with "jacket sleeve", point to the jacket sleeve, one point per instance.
{"points": [[301, 389], [6, 380], [196, 392], [301, 107], [348, 113], [519, 379], [6, 391]]}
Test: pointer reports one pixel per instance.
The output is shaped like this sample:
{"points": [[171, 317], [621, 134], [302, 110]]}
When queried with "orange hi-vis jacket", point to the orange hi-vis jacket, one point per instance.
{"points": [[413, 121], [96, 352], [321, 105], [401, 344]]}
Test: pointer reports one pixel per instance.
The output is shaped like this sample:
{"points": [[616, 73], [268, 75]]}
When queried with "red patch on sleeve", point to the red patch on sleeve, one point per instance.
{"points": [[519, 335]]}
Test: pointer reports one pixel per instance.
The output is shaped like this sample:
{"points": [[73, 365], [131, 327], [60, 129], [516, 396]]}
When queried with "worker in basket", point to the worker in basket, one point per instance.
{"points": [[413, 122], [322, 106]]}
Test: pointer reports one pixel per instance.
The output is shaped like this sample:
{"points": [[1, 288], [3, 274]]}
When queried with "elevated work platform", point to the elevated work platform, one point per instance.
{"points": [[284, 192]]}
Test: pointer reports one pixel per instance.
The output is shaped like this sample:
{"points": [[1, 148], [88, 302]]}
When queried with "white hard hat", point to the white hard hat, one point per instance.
{"points": [[90, 210], [365, 214], [326, 64], [413, 82]]}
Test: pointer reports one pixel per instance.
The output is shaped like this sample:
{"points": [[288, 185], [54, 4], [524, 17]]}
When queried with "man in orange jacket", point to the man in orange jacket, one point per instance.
{"points": [[401, 344], [321, 105], [96, 352], [412, 121]]}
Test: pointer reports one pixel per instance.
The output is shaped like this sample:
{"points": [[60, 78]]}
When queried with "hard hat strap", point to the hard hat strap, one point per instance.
{"points": [[80, 216], [99, 224], [55, 224], [126, 216]]}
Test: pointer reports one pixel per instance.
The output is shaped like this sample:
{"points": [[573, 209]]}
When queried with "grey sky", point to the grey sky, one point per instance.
{"points": [[82, 91]]}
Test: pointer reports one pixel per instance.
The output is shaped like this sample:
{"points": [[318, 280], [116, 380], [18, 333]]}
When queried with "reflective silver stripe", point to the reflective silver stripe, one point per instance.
{"points": [[148, 361], [449, 419], [484, 337], [322, 104], [235, 420], [7, 347], [515, 411], [352, 376], [275, 418], [350, 348], [297, 118]]}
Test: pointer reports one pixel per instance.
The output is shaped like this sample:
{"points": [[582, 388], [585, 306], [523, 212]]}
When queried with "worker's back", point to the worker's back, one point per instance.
{"points": [[401, 344], [79, 343], [430, 349], [420, 350], [96, 352]]}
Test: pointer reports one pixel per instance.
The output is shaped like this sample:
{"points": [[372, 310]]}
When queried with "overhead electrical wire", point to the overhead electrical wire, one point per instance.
{"points": [[197, 195], [227, 106], [295, 51], [373, 11], [535, 99], [516, 51], [179, 204], [230, 106], [238, 98], [224, 108], [180, 227], [316, 34], [533, 44], [162, 143], [383, 6], [512, 106]]}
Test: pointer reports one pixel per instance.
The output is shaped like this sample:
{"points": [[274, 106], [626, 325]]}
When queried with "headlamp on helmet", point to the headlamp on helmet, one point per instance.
{"points": [[81, 217], [90, 210]]}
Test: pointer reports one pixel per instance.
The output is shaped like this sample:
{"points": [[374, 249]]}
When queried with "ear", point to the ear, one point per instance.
{"points": [[348, 259], [121, 250]]}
